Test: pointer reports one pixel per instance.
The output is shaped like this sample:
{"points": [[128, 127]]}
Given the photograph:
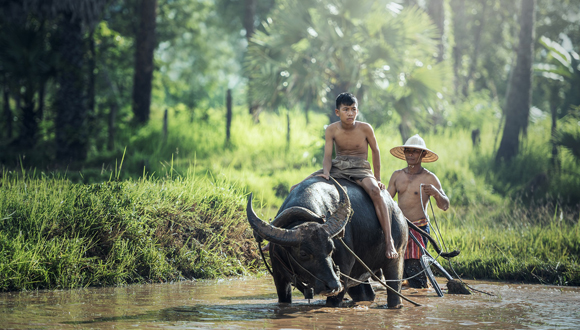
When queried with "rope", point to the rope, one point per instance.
{"points": [[449, 260], [264, 258], [375, 276]]}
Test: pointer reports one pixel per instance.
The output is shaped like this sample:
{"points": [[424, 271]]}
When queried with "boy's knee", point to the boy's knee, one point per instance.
{"points": [[375, 192]]}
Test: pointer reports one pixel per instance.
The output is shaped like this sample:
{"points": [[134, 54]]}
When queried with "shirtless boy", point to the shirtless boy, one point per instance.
{"points": [[352, 138], [408, 183]]}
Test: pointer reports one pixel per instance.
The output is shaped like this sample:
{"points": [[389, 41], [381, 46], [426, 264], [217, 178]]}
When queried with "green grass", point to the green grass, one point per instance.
{"points": [[175, 208], [538, 244], [57, 234]]}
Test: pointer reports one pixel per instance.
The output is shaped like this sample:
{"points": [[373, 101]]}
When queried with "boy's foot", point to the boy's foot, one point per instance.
{"points": [[391, 251]]}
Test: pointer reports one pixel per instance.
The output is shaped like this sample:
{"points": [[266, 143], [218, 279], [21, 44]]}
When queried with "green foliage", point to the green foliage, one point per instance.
{"points": [[317, 49], [56, 234]]}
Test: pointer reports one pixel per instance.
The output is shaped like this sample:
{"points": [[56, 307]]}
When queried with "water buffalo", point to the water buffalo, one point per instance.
{"points": [[306, 253]]}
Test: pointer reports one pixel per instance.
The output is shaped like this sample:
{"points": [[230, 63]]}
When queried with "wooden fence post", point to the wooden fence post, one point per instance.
{"points": [[165, 127], [111, 131], [228, 115]]}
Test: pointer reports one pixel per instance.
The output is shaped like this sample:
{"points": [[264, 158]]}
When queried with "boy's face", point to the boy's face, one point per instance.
{"points": [[347, 113]]}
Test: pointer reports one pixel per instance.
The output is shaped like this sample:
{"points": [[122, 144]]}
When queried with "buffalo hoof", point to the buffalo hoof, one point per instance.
{"points": [[333, 302]]}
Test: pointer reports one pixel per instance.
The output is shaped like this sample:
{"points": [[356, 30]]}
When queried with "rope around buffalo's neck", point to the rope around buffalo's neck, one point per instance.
{"points": [[264, 258]]}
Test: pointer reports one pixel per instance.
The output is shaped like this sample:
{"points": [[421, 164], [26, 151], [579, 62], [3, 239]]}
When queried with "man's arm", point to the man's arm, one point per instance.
{"points": [[434, 189], [376, 154], [391, 188], [328, 145]]}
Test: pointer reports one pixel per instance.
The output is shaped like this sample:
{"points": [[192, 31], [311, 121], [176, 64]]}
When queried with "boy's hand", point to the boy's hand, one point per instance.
{"points": [[381, 185], [326, 176]]}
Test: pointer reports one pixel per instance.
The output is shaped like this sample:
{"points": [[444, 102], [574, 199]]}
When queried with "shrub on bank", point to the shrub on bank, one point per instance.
{"points": [[57, 234]]}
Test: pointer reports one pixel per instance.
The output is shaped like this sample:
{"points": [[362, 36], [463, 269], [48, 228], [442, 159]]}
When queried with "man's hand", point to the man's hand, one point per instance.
{"points": [[430, 190], [326, 176]]}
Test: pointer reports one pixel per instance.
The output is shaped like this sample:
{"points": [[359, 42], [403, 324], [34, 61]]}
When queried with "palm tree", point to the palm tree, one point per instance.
{"points": [[323, 48], [561, 72]]}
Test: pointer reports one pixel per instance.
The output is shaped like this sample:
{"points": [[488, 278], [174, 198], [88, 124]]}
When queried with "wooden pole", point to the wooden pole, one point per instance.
{"points": [[165, 126], [228, 115]]}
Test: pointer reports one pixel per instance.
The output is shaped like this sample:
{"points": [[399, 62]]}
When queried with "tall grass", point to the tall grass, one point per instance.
{"points": [[57, 234], [538, 244]]}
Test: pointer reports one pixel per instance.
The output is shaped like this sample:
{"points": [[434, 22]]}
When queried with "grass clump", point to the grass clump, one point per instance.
{"points": [[58, 234], [515, 242]]}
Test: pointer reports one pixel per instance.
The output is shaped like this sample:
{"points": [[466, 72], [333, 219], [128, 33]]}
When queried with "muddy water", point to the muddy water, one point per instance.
{"points": [[250, 303]]}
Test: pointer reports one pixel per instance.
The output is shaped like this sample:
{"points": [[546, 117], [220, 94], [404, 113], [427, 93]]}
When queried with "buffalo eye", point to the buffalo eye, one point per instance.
{"points": [[303, 254]]}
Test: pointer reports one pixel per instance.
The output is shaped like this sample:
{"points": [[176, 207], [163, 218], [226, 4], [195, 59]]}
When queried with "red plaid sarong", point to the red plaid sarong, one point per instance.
{"points": [[413, 251]]}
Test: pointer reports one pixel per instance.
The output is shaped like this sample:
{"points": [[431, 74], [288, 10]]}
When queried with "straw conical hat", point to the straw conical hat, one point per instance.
{"points": [[416, 142]]}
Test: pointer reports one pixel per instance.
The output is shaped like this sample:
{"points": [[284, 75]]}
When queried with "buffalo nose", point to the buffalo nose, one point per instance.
{"points": [[333, 288]]}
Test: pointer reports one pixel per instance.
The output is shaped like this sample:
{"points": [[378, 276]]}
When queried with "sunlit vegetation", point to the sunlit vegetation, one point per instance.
{"points": [[116, 168], [58, 234], [185, 218]]}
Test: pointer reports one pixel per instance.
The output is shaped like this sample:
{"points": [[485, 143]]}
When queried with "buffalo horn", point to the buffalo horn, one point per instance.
{"points": [[337, 220], [281, 236]]}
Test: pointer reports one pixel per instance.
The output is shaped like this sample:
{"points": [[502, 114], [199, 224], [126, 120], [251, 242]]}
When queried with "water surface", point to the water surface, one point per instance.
{"points": [[251, 303]]}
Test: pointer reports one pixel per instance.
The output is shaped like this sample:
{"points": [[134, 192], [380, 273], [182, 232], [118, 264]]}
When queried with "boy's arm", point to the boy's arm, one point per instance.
{"points": [[376, 154], [328, 145], [437, 192]]}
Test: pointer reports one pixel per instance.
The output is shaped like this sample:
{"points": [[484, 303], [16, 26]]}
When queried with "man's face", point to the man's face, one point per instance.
{"points": [[347, 113], [414, 156]]}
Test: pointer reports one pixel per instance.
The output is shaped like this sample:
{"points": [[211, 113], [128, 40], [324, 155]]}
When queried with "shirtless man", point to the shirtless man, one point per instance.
{"points": [[352, 139], [413, 183]]}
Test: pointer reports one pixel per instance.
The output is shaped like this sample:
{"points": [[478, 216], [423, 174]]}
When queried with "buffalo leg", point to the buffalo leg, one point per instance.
{"points": [[283, 288], [362, 292], [393, 274]]}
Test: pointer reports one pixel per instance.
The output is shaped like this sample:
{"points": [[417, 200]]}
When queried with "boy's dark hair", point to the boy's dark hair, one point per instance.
{"points": [[346, 99]]}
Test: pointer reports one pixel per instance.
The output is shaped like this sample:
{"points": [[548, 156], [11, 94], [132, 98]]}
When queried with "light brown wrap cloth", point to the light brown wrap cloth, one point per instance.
{"points": [[350, 168]]}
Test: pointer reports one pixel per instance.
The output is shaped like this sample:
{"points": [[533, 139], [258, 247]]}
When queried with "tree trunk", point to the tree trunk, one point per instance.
{"points": [[520, 92], [307, 105], [8, 116], [144, 51], [91, 85], [476, 45], [436, 11], [71, 109], [248, 22], [111, 127], [165, 129], [459, 31]]}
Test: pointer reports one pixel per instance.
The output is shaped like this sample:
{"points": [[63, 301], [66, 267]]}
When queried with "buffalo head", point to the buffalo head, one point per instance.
{"points": [[306, 243]]}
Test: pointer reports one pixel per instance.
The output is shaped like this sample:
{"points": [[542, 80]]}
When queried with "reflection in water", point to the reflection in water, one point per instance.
{"points": [[252, 303]]}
